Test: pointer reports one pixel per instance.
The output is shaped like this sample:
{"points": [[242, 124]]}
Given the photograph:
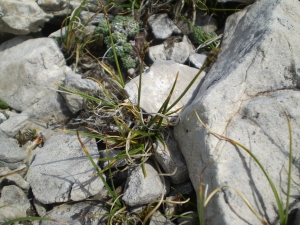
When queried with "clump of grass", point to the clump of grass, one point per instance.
{"points": [[282, 213]]}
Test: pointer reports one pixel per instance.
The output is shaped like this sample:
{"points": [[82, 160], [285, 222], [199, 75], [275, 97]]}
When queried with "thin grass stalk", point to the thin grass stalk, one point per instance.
{"points": [[278, 200], [113, 195], [166, 103], [264, 222], [200, 192], [121, 80], [140, 88], [289, 171], [206, 64], [153, 210]]}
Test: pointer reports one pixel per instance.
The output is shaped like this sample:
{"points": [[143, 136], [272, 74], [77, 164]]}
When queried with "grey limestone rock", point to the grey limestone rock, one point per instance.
{"points": [[158, 81], [13, 42], [74, 82], [62, 172], [21, 17], [12, 178], [157, 52], [30, 72], [52, 5], [159, 219], [162, 27], [180, 51], [140, 190], [256, 71], [13, 203], [11, 155], [197, 60], [80, 213], [170, 158], [20, 122]]}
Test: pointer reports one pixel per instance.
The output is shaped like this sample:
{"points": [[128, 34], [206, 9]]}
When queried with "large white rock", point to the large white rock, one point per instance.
{"points": [[21, 17], [62, 172], [157, 83], [258, 69], [30, 72]]}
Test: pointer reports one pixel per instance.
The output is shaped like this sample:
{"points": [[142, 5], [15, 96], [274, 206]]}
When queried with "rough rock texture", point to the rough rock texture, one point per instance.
{"points": [[18, 122], [177, 51], [162, 27], [21, 17], [157, 52], [12, 178], [13, 42], [88, 212], [257, 70], [29, 71], [171, 159], [197, 60], [52, 5], [140, 190], [13, 203], [11, 155], [74, 82], [158, 81], [158, 219], [180, 51], [62, 172]]}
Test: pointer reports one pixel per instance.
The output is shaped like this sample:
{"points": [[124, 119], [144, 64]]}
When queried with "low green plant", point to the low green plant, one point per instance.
{"points": [[27, 135], [123, 29], [3, 105], [282, 213], [74, 35]]}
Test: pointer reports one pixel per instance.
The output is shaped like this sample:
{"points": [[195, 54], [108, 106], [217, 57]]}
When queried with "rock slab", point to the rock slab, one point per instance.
{"points": [[157, 83], [256, 72], [62, 172]]}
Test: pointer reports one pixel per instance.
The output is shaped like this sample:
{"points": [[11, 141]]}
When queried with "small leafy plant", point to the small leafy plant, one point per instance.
{"points": [[123, 29]]}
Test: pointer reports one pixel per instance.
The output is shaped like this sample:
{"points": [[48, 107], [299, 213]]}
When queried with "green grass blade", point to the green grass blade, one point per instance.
{"points": [[206, 64], [112, 194], [89, 97], [278, 200], [289, 170], [3, 105], [120, 79]]}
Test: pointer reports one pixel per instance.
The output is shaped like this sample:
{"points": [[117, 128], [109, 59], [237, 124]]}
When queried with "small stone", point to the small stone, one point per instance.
{"points": [[11, 155], [162, 27], [140, 190], [13, 203], [197, 60], [86, 212]]}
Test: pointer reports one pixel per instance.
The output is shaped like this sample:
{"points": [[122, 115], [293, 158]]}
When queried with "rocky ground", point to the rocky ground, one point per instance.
{"points": [[245, 75]]}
